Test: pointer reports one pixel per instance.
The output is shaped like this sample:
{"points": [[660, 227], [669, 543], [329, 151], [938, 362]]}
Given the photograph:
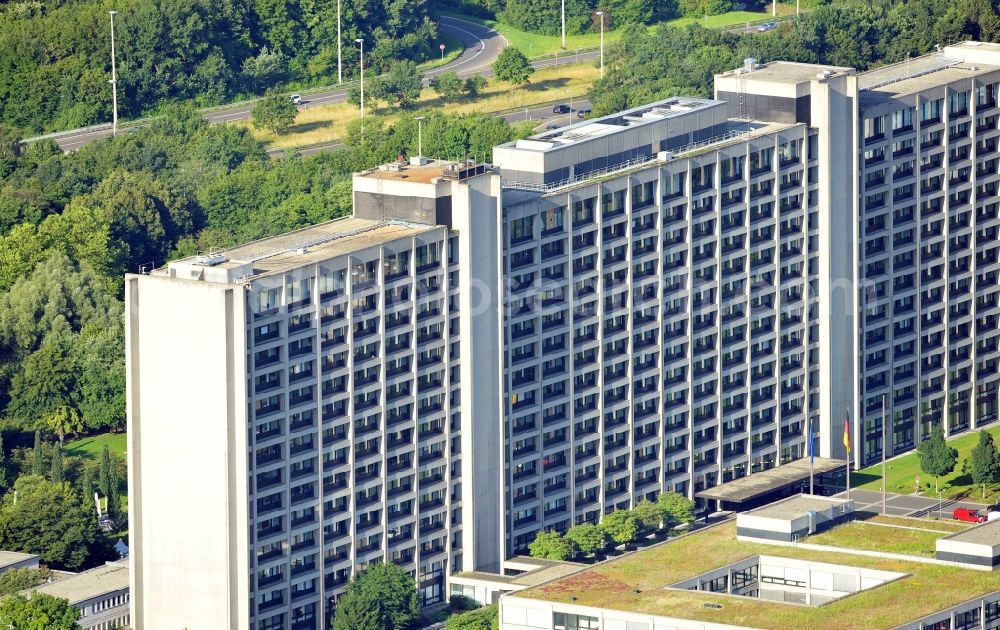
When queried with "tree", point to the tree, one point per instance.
{"points": [[49, 520], [37, 456], [265, 69], [114, 494], [104, 480], [275, 112], [475, 84], [621, 526], [401, 84], [486, 618], [648, 513], [383, 594], [936, 457], [588, 538], [360, 610], [675, 508], [448, 86], [47, 380], [550, 545], [58, 474], [3, 466], [63, 420], [15, 580], [512, 66], [87, 487], [11, 149], [984, 463], [40, 612]]}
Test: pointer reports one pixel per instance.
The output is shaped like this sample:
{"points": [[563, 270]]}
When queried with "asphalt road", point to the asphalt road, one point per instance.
{"points": [[482, 45]]}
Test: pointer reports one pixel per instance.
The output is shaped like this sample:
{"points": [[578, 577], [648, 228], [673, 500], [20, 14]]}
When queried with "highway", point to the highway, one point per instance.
{"points": [[482, 45]]}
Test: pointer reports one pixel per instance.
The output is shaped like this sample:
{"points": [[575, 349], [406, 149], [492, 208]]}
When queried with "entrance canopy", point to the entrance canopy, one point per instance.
{"points": [[771, 481]]}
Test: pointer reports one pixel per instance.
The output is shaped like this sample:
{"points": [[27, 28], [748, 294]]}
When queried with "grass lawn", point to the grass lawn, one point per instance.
{"points": [[949, 526], [862, 535], [637, 581], [90, 447], [326, 123], [535, 45], [902, 472]]}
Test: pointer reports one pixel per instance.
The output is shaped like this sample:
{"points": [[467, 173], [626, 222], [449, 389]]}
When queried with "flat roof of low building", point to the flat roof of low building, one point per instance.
{"points": [[985, 534], [10, 558], [771, 480], [80, 587], [543, 571], [790, 72], [278, 254], [796, 506], [640, 582], [614, 123]]}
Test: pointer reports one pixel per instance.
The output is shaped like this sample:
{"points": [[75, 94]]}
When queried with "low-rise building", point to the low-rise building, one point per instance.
{"points": [[100, 594], [16, 560], [876, 572]]}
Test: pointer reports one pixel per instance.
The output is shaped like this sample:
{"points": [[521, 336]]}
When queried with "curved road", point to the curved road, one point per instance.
{"points": [[482, 45]]}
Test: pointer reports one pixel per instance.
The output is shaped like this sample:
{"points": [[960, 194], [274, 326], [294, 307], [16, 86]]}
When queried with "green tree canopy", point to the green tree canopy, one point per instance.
{"points": [[448, 85], [621, 526], [58, 474], [275, 112], [984, 463], [14, 580], [400, 85], [675, 508], [486, 618], [648, 513], [551, 546], [48, 519], [588, 538], [512, 66], [360, 610], [936, 457], [381, 594], [40, 612]]}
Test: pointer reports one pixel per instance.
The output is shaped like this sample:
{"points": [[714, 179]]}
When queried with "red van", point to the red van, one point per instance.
{"points": [[969, 516]]}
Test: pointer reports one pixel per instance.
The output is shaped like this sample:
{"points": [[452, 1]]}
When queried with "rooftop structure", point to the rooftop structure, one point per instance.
{"points": [[100, 594], [767, 482], [642, 589], [15, 560]]}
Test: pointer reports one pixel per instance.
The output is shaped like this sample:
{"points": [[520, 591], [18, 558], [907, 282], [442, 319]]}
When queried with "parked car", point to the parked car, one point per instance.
{"points": [[296, 99], [767, 26], [552, 127], [582, 113], [561, 109], [969, 516]]}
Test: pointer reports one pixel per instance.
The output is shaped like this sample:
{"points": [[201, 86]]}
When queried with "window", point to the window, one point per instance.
{"points": [[566, 621], [522, 229], [552, 219]]}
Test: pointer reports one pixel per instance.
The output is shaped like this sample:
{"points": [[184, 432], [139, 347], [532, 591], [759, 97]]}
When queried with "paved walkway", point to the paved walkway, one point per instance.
{"points": [[906, 504]]}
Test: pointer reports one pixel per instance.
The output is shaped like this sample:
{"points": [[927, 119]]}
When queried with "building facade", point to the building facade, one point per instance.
{"points": [[663, 299]]}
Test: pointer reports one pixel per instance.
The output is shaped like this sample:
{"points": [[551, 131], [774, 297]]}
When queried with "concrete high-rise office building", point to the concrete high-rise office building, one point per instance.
{"points": [[662, 299]]}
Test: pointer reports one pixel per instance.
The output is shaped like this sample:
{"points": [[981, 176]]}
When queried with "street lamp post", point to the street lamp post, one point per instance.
{"points": [[340, 67], [362, 43], [601, 13], [563, 6], [114, 80], [420, 136]]}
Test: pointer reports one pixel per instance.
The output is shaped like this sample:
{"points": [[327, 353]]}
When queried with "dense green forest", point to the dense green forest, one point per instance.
{"points": [[55, 55], [72, 225], [649, 64]]}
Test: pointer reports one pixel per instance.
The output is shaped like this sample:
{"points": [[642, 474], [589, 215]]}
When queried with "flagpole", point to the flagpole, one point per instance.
{"points": [[884, 443], [847, 444]]}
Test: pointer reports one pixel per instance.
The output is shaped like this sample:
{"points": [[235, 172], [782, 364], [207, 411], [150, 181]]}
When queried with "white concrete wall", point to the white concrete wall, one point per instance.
{"points": [[476, 218], [517, 613], [185, 355], [834, 113]]}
